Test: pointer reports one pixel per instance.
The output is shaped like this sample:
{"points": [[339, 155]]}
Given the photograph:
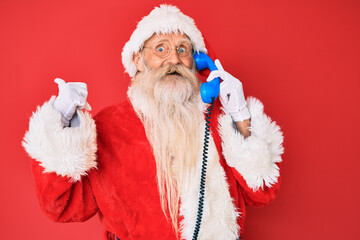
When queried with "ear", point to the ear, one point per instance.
{"points": [[137, 58]]}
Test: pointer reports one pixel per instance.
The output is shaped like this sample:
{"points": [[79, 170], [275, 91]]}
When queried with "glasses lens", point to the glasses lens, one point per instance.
{"points": [[161, 49], [184, 49]]}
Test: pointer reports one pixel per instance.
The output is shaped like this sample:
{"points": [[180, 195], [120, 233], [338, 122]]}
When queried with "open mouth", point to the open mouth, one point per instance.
{"points": [[174, 73]]}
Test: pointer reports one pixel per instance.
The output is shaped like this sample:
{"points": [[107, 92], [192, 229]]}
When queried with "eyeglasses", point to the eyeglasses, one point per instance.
{"points": [[162, 49]]}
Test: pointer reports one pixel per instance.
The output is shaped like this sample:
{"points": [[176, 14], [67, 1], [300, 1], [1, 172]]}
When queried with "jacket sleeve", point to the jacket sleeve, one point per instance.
{"points": [[62, 158], [255, 160]]}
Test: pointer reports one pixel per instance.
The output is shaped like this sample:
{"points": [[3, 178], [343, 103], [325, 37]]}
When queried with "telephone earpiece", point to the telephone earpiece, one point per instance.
{"points": [[208, 90]]}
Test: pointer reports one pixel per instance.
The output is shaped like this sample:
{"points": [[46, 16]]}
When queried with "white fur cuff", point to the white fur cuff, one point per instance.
{"points": [[255, 157], [68, 152]]}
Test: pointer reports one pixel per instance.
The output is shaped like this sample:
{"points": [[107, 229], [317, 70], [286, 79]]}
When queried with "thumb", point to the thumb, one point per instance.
{"points": [[59, 81], [87, 107], [218, 64], [217, 73]]}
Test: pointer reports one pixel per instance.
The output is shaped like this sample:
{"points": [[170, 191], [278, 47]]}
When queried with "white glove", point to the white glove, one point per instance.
{"points": [[231, 94], [72, 96]]}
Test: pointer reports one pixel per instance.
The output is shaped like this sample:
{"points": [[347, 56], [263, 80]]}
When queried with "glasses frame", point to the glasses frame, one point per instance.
{"points": [[170, 48]]}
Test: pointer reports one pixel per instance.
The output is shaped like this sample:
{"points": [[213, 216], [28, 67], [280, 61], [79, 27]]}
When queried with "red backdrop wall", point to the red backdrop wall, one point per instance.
{"points": [[301, 58]]}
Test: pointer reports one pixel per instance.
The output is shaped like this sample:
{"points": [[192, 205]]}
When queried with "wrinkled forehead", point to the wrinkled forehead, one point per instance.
{"points": [[174, 38]]}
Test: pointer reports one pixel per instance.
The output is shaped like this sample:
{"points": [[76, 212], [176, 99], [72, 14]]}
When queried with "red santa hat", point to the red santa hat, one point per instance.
{"points": [[165, 19]]}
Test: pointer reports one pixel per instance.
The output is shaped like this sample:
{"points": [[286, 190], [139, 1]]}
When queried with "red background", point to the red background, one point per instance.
{"points": [[301, 58]]}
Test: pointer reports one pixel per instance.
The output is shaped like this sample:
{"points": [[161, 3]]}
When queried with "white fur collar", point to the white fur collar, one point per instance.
{"points": [[219, 219]]}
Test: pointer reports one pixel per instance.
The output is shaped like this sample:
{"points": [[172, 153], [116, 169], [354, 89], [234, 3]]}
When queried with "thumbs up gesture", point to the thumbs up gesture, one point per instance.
{"points": [[72, 96]]}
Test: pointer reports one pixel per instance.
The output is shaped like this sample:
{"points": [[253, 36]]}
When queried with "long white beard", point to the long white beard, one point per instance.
{"points": [[171, 111]]}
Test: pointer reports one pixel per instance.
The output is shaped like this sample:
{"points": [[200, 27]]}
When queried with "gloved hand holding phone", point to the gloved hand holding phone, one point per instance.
{"points": [[231, 94]]}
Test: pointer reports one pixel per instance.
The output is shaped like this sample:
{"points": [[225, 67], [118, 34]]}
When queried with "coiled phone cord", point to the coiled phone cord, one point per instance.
{"points": [[203, 171]]}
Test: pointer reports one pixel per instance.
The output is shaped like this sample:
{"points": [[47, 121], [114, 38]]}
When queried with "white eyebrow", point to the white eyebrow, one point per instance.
{"points": [[165, 40]]}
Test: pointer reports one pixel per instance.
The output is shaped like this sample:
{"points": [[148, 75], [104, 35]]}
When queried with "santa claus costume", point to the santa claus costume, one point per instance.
{"points": [[106, 165]]}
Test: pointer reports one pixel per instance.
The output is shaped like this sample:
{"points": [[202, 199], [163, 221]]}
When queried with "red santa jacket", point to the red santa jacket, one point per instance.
{"points": [[106, 166]]}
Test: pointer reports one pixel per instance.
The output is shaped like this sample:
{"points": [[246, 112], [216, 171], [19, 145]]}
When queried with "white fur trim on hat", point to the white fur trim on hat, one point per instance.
{"points": [[165, 19], [69, 152]]}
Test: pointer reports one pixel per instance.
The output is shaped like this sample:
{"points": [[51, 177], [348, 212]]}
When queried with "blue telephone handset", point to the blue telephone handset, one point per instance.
{"points": [[208, 90]]}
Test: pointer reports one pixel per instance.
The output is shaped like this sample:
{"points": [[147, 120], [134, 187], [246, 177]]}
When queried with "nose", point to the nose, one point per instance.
{"points": [[173, 57]]}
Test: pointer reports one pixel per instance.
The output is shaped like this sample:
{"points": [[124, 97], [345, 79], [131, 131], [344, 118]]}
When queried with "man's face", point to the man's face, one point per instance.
{"points": [[165, 49]]}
